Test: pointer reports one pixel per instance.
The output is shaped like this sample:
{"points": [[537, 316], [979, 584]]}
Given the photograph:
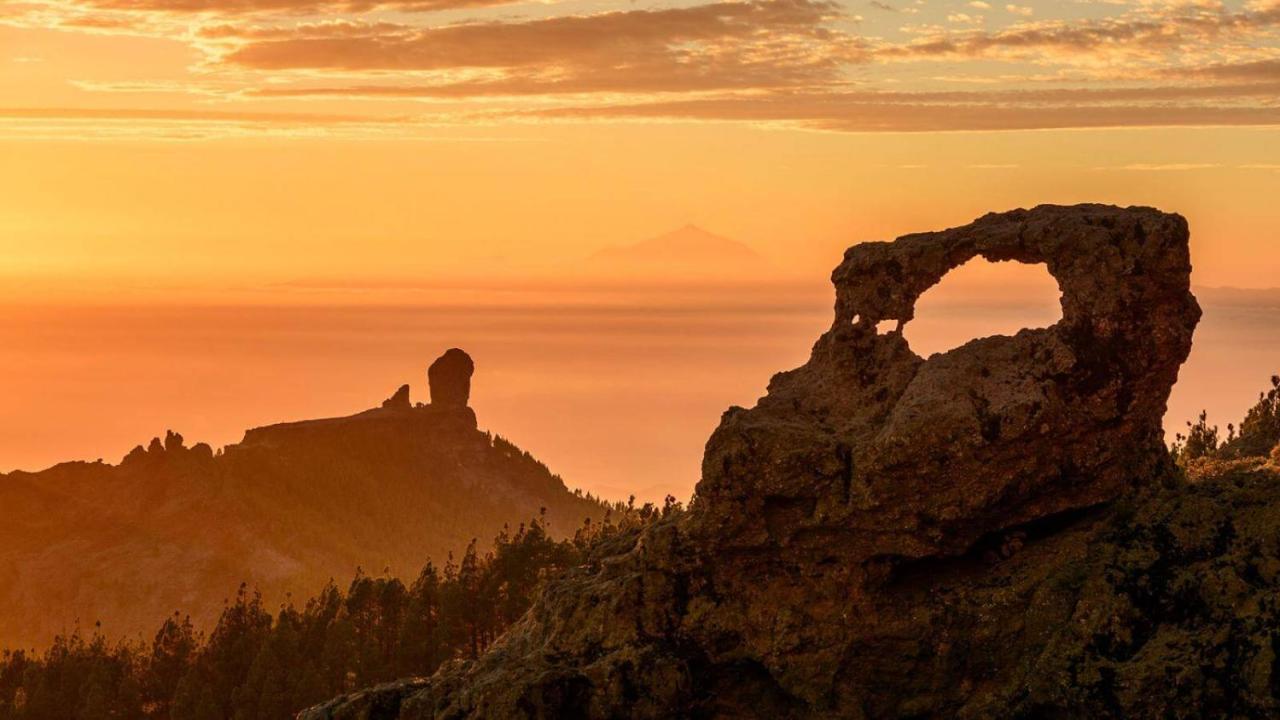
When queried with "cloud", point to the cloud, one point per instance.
{"points": [[761, 43], [863, 112], [1242, 71], [1164, 167], [125, 114], [94, 124], [1060, 95], [721, 45], [242, 7], [1149, 30], [791, 62]]}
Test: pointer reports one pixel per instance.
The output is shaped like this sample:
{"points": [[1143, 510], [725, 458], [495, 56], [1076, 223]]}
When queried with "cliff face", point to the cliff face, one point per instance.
{"points": [[291, 506], [1161, 605], [997, 531]]}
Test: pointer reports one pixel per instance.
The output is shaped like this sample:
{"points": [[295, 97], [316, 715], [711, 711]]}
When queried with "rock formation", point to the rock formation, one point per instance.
{"points": [[399, 400], [905, 457], [996, 531], [450, 379], [285, 509]]}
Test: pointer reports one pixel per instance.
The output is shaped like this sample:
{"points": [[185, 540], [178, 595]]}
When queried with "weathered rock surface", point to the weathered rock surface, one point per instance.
{"points": [[997, 531], [910, 458], [450, 379], [1160, 605]]}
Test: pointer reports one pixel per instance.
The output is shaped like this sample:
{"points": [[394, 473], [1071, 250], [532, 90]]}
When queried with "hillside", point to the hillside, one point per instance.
{"points": [[173, 527], [997, 531]]}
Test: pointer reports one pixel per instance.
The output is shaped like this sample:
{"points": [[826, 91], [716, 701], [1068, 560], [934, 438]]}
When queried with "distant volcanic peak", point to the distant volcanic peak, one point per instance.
{"points": [[450, 379], [689, 248], [692, 239]]}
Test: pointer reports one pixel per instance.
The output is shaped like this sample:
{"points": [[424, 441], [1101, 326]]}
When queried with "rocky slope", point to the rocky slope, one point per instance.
{"points": [[289, 507], [997, 531]]}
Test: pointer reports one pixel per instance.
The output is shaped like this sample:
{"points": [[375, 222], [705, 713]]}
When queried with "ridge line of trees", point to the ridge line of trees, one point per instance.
{"points": [[1258, 435], [260, 665]]}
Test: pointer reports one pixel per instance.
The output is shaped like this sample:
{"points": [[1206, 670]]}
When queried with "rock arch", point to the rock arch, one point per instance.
{"points": [[901, 456], [982, 299]]}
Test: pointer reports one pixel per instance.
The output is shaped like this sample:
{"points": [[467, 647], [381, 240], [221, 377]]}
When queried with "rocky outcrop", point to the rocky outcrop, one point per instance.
{"points": [[996, 531], [450, 379], [1160, 605], [172, 449], [908, 457], [399, 400], [286, 509]]}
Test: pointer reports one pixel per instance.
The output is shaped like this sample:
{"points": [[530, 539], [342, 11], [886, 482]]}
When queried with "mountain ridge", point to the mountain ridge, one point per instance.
{"points": [[687, 250], [286, 509]]}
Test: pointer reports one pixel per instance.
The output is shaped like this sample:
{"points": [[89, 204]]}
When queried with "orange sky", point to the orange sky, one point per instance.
{"points": [[233, 212], [225, 142], [465, 154]]}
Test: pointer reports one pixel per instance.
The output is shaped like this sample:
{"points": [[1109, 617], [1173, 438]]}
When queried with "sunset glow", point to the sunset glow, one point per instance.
{"points": [[220, 162]]}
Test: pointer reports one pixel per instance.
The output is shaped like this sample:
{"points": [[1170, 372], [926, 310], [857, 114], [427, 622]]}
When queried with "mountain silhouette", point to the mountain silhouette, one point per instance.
{"points": [[173, 527], [689, 250]]}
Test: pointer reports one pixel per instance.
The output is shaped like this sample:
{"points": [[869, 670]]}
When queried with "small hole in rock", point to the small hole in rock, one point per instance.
{"points": [[982, 299], [856, 319]]}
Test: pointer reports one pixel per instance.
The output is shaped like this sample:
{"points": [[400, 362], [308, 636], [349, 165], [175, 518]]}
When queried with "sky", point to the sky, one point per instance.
{"points": [[170, 164], [218, 143]]}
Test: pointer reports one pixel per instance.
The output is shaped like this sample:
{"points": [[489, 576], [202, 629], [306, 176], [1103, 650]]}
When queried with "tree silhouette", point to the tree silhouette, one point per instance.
{"points": [[258, 666]]}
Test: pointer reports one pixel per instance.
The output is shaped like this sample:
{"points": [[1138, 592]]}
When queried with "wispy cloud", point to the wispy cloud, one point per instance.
{"points": [[242, 7], [857, 113], [1164, 167], [1149, 30], [197, 125], [799, 63], [763, 43]]}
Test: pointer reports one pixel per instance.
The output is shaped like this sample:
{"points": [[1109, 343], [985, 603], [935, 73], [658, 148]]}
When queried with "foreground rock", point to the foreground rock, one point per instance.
{"points": [[1159, 606], [997, 531]]}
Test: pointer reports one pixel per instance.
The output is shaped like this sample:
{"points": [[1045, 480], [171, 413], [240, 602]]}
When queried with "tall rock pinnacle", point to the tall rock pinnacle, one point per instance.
{"points": [[450, 379]]}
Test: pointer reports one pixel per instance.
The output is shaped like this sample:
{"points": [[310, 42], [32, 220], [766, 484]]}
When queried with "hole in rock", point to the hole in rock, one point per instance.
{"points": [[981, 299], [884, 327]]}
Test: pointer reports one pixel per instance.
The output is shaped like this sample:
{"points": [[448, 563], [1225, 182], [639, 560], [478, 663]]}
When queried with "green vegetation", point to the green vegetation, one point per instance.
{"points": [[1257, 437], [256, 664], [180, 527]]}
